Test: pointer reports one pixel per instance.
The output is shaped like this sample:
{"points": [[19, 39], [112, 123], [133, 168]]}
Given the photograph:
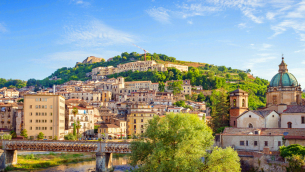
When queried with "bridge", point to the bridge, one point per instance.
{"points": [[103, 150]]}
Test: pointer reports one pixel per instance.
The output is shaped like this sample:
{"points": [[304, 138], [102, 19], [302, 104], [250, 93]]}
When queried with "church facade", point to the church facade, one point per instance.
{"points": [[283, 109]]}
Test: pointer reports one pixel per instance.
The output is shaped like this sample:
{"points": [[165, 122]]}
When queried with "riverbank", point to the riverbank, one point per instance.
{"points": [[39, 161]]}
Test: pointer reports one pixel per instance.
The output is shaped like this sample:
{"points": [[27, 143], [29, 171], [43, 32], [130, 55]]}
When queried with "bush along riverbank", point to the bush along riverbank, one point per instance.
{"points": [[38, 161]]}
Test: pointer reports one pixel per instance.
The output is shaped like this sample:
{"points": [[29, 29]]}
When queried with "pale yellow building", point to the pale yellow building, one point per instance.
{"points": [[7, 113], [44, 113], [182, 68], [139, 116]]}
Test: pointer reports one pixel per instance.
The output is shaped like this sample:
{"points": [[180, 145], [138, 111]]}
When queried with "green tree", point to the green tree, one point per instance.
{"points": [[70, 136], [173, 143], [40, 136], [201, 97], [220, 109], [176, 86], [180, 103], [294, 149], [303, 95], [24, 133], [75, 112], [223, 160], [78, 126], [20, 100], [296, 162], [161, 87], [243, 75], [55, 138], [228, 76], [13, 134]]}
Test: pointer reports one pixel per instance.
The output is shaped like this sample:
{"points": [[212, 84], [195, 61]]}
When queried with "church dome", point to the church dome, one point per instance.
{"points": [[283, 78]]}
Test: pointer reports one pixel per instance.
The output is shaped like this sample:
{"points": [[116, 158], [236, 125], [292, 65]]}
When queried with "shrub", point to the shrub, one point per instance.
{"points": [[70, 136], [289, 151]]}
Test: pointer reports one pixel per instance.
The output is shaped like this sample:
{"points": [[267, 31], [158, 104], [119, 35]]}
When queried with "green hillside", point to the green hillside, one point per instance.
{"points": [[210, 77]]}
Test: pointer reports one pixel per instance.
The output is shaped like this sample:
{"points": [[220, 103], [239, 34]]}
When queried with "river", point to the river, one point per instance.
{"points": [[120, 164]]}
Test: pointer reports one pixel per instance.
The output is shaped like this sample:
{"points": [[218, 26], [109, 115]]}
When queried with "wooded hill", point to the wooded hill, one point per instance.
{"points": [[209, 76]]}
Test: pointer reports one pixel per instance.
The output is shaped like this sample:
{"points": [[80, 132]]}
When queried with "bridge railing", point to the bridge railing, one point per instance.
{"points": [[66, 146]]}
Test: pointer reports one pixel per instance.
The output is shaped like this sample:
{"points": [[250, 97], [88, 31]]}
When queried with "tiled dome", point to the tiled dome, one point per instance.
{"points": [[283, 79]]}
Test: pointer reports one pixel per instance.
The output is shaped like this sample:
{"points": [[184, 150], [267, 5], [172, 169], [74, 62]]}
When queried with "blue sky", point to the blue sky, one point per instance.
{"points": [[37, 37]]}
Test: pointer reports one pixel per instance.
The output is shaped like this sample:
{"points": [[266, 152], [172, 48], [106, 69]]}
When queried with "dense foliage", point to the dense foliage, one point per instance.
{"points": [[177, 142], [12, 83], [294, 149], [220, 110], [173, 143], [223, 160]]}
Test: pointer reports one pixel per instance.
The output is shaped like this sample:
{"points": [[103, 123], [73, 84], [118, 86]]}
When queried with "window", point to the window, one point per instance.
{"points": [[255, 143], [50, 137], [30, 106], [141, 114], [51, 128], [249, 116], [247, 144], [134, 121], [45, 106], [289, 125], [279, 143], [51, 106], [51, 114], [255, 132], [30, 128], [134, 127], [274, 100], [234, 103], [234, 123], [30, 121], [36, 106], [250, 125], [266, 143], [242, 143], [134, 114], [31, 114], [303, 119], [36, 113], [142, 126], [51, 121], [141, 120], [243, 103]]}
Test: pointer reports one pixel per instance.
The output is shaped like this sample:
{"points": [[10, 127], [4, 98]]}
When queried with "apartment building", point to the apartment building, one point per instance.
{"points": [[164, 98], [143, 95], [139, 116], [11, 93], [44, 113], [84, 118], [182, 68], [140, 66], [114, 129], [134, 86], [88, 96], [7, 113]]}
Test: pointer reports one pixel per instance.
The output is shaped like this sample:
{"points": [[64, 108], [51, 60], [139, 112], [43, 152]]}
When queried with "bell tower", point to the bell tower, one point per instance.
{"points": [[238, 104]]}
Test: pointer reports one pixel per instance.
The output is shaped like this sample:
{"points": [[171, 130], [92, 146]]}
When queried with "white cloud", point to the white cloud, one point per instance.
{"points": [[190, 22], [81, 2], [303, 62], [2, 28], [160, 14], [242, 25], [95, 33], [248, 12], [262, 58]]}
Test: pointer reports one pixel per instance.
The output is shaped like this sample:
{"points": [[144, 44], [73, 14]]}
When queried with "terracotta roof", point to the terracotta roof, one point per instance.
{"points": [[109, 126], [295, 109], [295, 137]]}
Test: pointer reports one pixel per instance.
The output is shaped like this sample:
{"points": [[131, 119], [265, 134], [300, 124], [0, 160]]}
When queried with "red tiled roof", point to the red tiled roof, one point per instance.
{"points": [[295, 137]]}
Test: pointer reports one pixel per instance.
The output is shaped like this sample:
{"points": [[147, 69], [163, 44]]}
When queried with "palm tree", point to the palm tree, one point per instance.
{"points": [[74, 111], [78, 126]]}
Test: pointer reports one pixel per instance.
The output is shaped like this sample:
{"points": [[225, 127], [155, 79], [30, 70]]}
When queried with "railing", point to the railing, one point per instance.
{"points": [[66, 146]]}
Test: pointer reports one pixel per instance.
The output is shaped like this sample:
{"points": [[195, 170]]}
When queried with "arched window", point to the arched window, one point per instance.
{"points": [[250, 125], [244, 105], [234, 103], [289, 125]]}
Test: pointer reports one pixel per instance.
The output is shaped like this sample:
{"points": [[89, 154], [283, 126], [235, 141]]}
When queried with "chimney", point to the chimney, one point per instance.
{"points": [[54, 89]]}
